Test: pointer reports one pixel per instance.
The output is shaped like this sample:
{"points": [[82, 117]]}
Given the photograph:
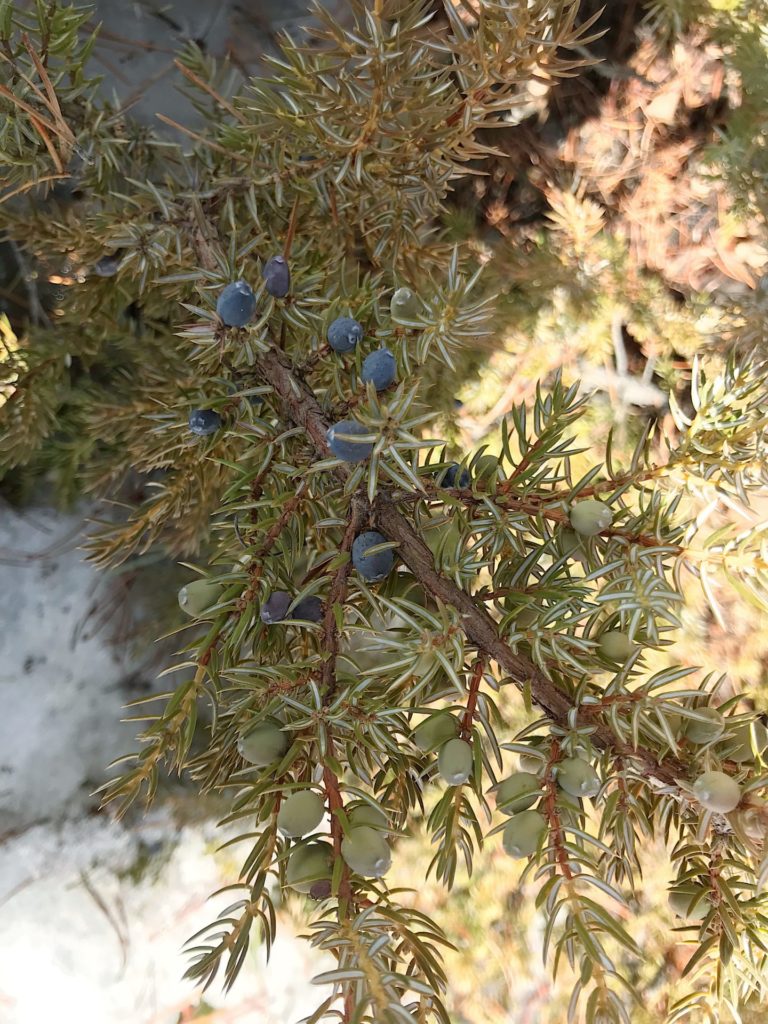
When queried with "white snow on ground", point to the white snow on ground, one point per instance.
{"points": [[80, 940], [59, 675], [79, 943]]}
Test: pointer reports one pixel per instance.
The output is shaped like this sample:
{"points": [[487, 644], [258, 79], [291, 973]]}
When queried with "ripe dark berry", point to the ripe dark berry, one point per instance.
{"points": [[366, 851], [405, 305], [590, 517], [454, 762], [376, 566], [577, 777], [717, 792], [236, 304], [454, 476], [434, 731], [309, 609], [198, 596], [300, 813], [344, 441], [275, 608], [517, 793], [344, 334], [108, 266], [204, 421], [264, 743], [309, 865], [379, 369], [522, 833], [277, 276]]}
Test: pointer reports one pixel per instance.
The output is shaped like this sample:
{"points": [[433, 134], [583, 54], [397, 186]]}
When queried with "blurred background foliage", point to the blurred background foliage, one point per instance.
{"points": [[621, 221]]}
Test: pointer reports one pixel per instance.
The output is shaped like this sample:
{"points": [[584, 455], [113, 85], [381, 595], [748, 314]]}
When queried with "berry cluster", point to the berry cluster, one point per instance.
{"points": [[525, 797], [348, 440]]}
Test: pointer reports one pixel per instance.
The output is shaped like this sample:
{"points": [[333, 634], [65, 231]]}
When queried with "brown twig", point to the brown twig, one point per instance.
{"points": [[336, 804], [198, 138], [303, 409], [336, 595], [465, 728], [301, 406], [201, 84], [557, 836]]}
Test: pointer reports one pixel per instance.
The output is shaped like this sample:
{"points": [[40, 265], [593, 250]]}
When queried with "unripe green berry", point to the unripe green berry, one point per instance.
{"points": [[590, 517], [371, 817], [405, 305], [454, 761], [690, 901], [739, 745], [569, 541], [366, 852], [434, 731], [531, 763], [753, 821], [308, 865], [485, 468], [517, 793], [577, 777], [264, 744], [615, 645], [300, 813], [717, 792], [198, 596], [708, 726], [526, 617], [522, 833]]}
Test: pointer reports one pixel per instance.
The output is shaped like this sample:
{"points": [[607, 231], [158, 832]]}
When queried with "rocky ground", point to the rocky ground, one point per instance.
{"points": [[95, 913]]}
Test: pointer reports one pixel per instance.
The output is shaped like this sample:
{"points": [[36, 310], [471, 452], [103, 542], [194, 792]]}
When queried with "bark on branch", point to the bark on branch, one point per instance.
{"points": [[304, 410]]}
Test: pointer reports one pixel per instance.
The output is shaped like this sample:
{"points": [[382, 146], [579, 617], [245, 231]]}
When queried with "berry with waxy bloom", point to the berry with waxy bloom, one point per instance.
{"points": [[690, 900], [366, 851], [717, 792], [589, 517], [203, 422], [523, 833], [198, 596], [309, 865], [275, 608], [518, 792], [300, 813], [709, 725], [615, 645], [379, 369], [277, 276], [405, 305], [371, 817], [434, 731], [264, 743], [310, 609], [344, 440], [344, 334], [454, 761], [742, 743], [236, 304], [577, 777], [454, 475], [372, 567]]}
